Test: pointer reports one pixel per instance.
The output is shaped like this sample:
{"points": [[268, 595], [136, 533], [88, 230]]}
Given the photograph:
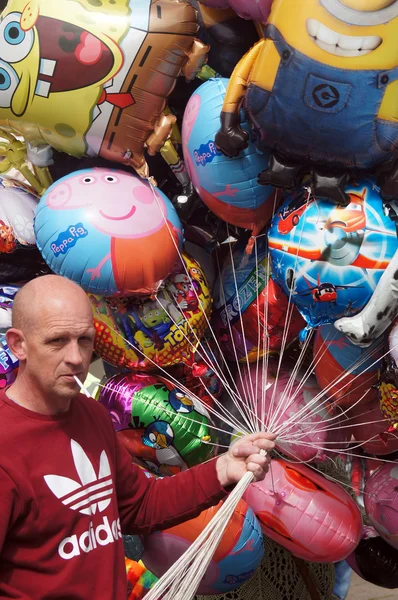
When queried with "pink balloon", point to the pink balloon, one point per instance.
{"points": [[381, 502], [370, 429], [316, 430], [256, 10], [302, 511]]}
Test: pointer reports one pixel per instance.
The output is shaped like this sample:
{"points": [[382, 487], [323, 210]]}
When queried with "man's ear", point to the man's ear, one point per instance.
{"points": [[16, 343]]}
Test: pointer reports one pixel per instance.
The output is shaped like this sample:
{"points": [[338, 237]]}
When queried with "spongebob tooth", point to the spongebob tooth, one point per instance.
{"points": [[43, 88], [47, 66]]}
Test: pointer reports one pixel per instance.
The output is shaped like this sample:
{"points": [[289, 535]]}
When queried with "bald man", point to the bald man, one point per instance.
{"points": [[68, 489]]}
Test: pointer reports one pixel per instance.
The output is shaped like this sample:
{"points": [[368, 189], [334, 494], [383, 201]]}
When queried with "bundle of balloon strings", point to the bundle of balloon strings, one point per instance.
{"points": [[182, 580]]}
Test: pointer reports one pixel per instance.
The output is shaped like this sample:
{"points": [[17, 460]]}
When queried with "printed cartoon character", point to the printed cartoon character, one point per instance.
{"points": [[156, 324], [143, 242], [86, 77], [321, 89], [180, 401], [324, 292], [154, 320], [289, 216], [160, 435], [7, 239], [146, 455], [345, 232], [198, 280], [185, 293]]}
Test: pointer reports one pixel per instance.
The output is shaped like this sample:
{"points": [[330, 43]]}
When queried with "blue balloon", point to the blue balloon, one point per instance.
{"points": [[108, 231], [227, 186], [330, 259]]}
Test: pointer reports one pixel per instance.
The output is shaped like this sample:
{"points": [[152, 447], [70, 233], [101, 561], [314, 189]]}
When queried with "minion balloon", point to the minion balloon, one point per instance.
{"points": [[321, 93], [91, 77]]}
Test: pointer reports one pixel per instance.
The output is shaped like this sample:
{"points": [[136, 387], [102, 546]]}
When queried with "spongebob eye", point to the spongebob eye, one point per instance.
{"points": [[15, 43], [8, 84], [361, 17]]}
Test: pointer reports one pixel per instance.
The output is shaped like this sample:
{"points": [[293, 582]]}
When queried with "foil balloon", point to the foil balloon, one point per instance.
{"points": [[228, 36], [388, 381], [345, 372], [228, 188], [17, 208], [330, 259], [144, 335], [96, 70], [8, 364], [371, 429], [314, 432], [316, 98], [202, 378], [237, 556], [380, 502], [139, 580], [7, 295], [160, 424], [256, 11], [108, 231], [375, 561], [250, 308], [379, 312], [305, 513]]}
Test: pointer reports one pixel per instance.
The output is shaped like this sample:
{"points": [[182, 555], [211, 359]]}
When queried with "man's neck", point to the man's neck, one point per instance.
{"points": [[27, 396]]}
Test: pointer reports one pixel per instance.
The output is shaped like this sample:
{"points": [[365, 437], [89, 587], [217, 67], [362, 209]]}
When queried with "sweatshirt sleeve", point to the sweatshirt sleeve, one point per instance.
{"points": [[149, 504], [9, 505]]}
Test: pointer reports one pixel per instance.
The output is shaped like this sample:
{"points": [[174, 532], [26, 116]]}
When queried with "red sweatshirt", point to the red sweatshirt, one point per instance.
{"points": [[67, 491]]}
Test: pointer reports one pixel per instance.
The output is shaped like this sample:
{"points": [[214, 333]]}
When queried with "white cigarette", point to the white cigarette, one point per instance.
{"points": [[82, 387]]}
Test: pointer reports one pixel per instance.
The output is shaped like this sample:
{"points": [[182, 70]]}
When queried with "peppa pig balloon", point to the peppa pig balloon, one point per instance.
{"points": [[228, 187], [256, 10], [305, 513], [108, 231], [381, 495]]}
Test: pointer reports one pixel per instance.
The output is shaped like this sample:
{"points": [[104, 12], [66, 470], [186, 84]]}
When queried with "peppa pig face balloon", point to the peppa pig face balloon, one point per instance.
{"points": [[108, 231], [305, 513], [381, 502]]}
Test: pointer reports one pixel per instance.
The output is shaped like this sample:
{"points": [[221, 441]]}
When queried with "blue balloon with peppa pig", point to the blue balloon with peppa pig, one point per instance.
{"points": [[228, 186]]}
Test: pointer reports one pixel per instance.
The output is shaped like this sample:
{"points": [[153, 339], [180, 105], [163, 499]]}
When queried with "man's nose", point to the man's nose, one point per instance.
{"points": [[73, 354]]}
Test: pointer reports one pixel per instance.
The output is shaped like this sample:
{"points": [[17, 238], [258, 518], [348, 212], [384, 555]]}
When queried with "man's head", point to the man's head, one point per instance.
{"points": [[52, 335]]}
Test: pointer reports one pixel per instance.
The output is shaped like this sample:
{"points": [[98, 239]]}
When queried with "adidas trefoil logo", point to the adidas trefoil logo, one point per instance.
{"points": [[88, 493]]}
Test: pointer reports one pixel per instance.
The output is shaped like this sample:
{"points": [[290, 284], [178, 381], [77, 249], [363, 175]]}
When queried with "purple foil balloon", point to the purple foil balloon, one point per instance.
{"points": [[256, 10], [118, 397], [8, 364]]}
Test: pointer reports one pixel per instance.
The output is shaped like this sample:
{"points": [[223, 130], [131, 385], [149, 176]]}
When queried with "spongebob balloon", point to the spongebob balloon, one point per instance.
{"points": [[321, 92], [91, 77]]}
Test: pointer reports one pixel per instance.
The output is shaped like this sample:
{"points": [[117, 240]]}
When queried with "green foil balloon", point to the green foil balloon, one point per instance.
{"points": [[160, 425]]}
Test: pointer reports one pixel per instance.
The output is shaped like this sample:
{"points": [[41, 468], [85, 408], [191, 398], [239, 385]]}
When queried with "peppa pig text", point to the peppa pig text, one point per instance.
{"points": [[67, 239], [206, 153]]}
